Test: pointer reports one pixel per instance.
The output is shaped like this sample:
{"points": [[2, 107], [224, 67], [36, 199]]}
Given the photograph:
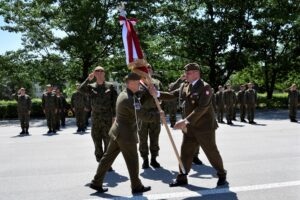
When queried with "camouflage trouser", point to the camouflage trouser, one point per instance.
{"points": [[51, 119], [62, 117], [229, 112], [100, 129], [57, 118], [242, 111], [24, 119], [80, 118], [151, 129], [293, 111], [250, 112], [220, 113]]}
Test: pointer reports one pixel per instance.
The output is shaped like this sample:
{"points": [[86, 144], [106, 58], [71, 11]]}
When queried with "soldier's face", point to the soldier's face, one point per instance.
{"points": [[133, 85], [99, 74], [22, 92], [192, 75], [49, 89]]}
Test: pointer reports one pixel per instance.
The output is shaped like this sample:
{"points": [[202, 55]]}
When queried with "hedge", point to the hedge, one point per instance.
{"points": [[8, 109]]}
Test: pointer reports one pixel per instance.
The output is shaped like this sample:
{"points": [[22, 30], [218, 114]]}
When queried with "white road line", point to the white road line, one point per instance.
{"points": [[199, 193]]}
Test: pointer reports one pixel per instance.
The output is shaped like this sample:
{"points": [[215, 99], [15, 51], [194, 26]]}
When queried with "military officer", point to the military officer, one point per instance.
{"points": [[199, 124], [293, 99], [103, 98], [24, 109], [50, 108], [229, 103], [151, 129], [241, 102], [220, 104], [250, 101], [123, 135], [78, 102]]}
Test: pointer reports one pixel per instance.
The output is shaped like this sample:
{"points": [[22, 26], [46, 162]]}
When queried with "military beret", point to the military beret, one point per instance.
{"points": [[191, 66], [99, 68], [132, 76]]}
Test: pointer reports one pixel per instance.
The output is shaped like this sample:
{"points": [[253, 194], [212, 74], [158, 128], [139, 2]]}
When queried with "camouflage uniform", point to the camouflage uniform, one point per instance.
{"points": [[220, 106], [250, 101], [293, 98], [149, 129], [24, 108], [229, 101], [241, 102], [103, 102], [63, 105], [50, 106], [78, 102]]}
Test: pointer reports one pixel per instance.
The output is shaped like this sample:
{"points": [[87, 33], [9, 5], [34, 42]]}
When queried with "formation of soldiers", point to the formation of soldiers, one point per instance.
{"points": [[121, 121]]}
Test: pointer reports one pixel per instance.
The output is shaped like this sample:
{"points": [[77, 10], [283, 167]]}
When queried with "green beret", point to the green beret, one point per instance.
{"points": [[191, 66], [132, 76]]}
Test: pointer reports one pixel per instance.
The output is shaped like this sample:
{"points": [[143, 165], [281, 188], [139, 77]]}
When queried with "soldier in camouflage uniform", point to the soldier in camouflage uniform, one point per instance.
{"points": [[149, 129], [78, 103], [250, 101], [294, 99], [241, 102], [172, 108], [229, 102], [50, 107], [220, 103], [24, 109], [62, 108], [103, 98]]}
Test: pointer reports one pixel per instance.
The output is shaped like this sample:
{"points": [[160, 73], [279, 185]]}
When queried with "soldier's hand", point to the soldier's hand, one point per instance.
{"points": [[113, 120], [44, 111], [163, 117], [181, 124], [91, 76], [182, 77], [29, 112]]}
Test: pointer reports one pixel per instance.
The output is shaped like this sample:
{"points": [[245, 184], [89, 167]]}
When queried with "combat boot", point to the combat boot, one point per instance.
{"points": [[154, 163], [26, 131], [197, 161], [145, 163], [22, 132]]}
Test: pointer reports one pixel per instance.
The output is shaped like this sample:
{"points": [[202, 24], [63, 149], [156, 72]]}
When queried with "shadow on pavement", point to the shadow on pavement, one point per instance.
{"points": [[113, 178], [203, 170], [161, 173]]}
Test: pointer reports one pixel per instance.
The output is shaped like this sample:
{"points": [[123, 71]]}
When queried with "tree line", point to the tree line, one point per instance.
{"points": [[236, 41]]}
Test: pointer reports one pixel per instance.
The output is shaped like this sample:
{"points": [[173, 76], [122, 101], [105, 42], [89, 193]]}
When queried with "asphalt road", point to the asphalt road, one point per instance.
{"points": [[262, 160]]}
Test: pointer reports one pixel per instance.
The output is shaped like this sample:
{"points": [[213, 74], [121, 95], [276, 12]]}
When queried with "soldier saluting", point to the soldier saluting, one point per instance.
{"points": [[24, 109], [293, 99], [50, 108]]}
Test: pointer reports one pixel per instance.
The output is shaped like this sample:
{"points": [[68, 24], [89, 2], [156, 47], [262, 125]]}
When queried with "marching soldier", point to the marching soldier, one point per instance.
{"points": [[149, 129], [50, 107], [220, 104], [250, 101], [103, 98], [241, 102], [293, 99], [229, 101], [123, 136], [78, 102], [198, 126], [24, 109]]}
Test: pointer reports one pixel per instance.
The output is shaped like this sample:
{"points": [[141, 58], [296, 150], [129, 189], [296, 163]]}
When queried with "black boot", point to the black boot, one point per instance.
{"points": [[22, 132], [197, 161], [154, 163], [26, 131], [145, 164]]}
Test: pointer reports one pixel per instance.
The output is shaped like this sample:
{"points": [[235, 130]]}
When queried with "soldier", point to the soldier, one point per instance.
{"points": [[149, 129], [87, 111], [62, 109], [172, 108], [241, 102], [180, 84], [103, 98], [24, 109], [220, 104], [198, 126], [294, 99], [78, 103], [123, 136], [229, 102], [50, 107], [250, 101], [59, 106]]}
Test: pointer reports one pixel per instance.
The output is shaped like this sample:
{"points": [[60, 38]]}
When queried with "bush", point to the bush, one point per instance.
{"points": [[278, 101], [8, 109]]}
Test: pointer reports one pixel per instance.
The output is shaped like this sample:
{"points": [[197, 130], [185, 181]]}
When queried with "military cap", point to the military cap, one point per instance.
{"points": [[132, 76], [99, 68], [293, 85], [77, 84], [48, 85], [191, 66]]}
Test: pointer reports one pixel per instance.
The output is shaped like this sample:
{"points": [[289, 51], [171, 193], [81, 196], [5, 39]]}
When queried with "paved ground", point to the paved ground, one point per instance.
{"points": [[263, 162]]}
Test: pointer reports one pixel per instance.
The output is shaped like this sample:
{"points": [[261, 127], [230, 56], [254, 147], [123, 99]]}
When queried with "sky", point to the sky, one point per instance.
{"points": [[8, 41]]}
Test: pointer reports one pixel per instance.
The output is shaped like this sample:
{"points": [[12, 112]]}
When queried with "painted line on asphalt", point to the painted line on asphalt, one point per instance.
{"points": [[201, 193]]}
